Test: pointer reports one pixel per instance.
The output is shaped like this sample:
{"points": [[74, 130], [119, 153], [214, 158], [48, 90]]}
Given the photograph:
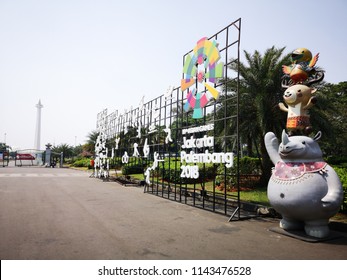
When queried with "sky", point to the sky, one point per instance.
{"points": [[81, 56]]}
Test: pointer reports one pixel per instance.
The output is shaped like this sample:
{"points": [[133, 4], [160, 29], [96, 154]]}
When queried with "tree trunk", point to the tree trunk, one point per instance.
{"points": [[249, 146]]}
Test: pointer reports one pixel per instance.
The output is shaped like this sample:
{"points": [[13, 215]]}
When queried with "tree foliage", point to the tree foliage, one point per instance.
{"points": [[259, 93], [330, 116], [66, 149], [89, 146]]}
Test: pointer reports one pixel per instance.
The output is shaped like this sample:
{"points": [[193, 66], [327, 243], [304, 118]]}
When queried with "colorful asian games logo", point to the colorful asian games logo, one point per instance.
{"points": [[201, 68]]}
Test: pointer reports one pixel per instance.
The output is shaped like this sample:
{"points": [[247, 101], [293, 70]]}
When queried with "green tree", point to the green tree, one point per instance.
{"points": [[77, 150], [89, 146], [65, 148], [330, 116], [4, 147], [259, 93]]}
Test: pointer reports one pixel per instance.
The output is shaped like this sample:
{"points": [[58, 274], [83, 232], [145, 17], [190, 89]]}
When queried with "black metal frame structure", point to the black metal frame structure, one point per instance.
{"points": [[148, 121]]}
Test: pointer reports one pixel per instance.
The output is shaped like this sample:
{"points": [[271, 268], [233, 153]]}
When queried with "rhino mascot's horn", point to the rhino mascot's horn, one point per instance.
{"points": [[285, 138]]}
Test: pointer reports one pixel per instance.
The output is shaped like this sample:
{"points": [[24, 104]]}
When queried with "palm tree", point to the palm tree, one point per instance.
{"points": [[66, 149], [259, 93], [92, 137], [89, 146]]}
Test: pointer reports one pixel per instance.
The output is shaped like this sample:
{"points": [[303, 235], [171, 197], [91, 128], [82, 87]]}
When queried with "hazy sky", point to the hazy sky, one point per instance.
{"points": [[81, 56]]}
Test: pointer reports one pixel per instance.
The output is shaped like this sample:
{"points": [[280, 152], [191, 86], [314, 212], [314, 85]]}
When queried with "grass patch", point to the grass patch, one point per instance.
{"points": [[257, 196], [138, 176]]}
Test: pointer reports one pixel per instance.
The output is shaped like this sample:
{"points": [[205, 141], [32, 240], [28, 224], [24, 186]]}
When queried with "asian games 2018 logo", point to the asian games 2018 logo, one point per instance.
{"points": [[201, 67]]}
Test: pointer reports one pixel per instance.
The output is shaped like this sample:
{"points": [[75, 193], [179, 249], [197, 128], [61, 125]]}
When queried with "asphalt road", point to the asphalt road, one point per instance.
{"points": [[62, 214]]}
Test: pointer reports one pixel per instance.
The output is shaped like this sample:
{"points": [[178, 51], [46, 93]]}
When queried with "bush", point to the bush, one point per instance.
{"points": [[249, 169], [342, 173], [132, 169], [248, 165], [116, 163], [82, 162], [337, 160], [171, 172]]}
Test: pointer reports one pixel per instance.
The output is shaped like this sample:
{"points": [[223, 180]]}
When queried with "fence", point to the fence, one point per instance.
{"points": [[28, 157]]}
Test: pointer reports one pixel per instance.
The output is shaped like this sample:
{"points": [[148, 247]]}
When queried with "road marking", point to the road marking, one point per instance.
{"points": [[16, 175]]}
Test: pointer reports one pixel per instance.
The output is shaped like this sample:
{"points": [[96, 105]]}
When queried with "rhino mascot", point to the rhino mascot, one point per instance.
{"points": [[303, 188]]}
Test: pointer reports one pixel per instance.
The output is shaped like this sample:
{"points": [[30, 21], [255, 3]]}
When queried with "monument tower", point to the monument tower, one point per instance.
{"points": [[37, 143]]}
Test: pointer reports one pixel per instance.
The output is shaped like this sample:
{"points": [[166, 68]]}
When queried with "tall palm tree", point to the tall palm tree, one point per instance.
{"points": [[92, 136], [89, 146], [259, 93], [66, 149]]}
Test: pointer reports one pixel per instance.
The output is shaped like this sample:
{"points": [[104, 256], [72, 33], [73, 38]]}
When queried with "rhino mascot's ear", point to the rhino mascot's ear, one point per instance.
{"points": [[317, 136]]}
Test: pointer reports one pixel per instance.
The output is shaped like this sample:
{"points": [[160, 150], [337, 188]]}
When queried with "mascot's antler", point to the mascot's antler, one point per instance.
{"points": [[286, 82], [315, 78]]}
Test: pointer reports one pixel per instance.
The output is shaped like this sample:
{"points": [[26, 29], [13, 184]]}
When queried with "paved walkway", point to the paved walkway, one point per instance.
{"points": [[63, 214]]}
